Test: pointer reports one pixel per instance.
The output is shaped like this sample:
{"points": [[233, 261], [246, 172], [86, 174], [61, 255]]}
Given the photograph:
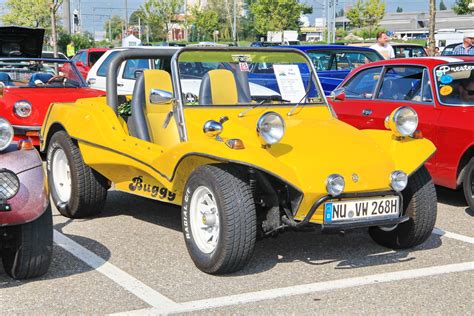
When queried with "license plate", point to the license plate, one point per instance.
{"points": [[386, 207]]}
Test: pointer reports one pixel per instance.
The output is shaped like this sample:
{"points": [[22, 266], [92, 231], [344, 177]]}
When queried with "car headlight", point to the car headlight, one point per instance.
{"points": [[9, 184], [398, 180], [335, 184], [22, 109], [403, 121], [271, 128], [6, 134]]}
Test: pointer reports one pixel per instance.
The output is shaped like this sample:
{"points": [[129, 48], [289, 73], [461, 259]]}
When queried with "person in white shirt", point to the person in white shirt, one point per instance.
{"points": [[383, 47]]}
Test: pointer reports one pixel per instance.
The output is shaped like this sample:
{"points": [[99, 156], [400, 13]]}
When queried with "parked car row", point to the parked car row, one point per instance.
{"points": [[245, 140]]}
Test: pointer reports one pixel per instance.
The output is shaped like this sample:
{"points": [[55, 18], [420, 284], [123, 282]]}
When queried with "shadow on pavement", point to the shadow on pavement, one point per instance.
{"points": [[450, 197]]}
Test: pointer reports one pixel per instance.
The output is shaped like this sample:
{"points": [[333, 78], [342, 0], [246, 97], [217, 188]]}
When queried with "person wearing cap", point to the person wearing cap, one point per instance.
{"points": [[383, 47], [466, 47]]}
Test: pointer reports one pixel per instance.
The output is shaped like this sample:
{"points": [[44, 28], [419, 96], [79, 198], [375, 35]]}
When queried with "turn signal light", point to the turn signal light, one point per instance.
{"points": [[418, 134], [235, 143], [32, 133], [25, 145]]}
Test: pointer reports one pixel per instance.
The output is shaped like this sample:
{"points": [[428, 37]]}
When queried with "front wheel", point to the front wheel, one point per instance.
{"points": [[31, 250], [468, 184], [218, 219], [419, 203]]}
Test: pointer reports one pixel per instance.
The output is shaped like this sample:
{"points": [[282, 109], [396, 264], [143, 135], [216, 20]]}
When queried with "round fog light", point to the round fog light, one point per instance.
{"points": [[22, 108], [398, 180], [335, 184], [9, 184]]}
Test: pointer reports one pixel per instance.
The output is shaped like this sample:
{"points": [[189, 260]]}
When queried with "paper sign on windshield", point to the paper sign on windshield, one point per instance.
{"points": [[290, 82]]}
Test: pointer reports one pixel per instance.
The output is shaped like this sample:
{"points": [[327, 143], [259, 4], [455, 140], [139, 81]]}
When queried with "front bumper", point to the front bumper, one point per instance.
{"points": [[23, 132], [349, 224]]}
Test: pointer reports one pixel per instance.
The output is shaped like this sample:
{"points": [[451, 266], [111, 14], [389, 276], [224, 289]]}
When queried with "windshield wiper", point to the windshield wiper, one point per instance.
{"points": [[261, 99], [308, 90]]}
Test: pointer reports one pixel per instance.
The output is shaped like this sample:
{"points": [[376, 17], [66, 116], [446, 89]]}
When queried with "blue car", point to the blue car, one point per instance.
{"points": [[332, 62]]}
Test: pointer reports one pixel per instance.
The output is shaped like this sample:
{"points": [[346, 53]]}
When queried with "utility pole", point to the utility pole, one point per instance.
{"points": [[431, 38], [234, 29], [126, 17], [67, 15]]}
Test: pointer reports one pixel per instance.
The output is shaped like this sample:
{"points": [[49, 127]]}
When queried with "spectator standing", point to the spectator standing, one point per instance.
{"points": [[383, 47], [466, 47]]}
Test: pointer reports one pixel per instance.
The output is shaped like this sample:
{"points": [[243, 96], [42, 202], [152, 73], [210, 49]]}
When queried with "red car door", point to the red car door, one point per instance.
{"points": [[358, 107]]}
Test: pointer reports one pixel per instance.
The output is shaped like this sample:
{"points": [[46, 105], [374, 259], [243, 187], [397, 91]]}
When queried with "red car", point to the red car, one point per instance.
{"points": [[440, 89], [29, 84], [85, 59]]}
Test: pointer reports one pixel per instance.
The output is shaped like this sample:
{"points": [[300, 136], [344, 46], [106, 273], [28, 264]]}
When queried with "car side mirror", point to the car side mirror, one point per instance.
{"points": [[158, 96], [137, 73], [80, 64], [338, 94]]}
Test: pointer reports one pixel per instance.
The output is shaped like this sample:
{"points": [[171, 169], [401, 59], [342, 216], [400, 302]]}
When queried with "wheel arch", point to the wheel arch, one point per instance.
{"points": [[54, 128], [465, 158]]}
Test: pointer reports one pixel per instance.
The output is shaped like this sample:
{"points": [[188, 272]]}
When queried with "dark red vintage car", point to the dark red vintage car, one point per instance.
{"points": [[440, 89], [84, 60], [29, 83]]}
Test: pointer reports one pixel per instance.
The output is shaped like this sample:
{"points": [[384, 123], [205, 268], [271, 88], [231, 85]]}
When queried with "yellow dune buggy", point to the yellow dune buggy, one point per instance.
{"points": [[246, 143]]}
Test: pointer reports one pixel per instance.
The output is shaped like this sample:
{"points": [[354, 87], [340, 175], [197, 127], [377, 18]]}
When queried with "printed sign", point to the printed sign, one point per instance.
{"points": [[290, 82]]}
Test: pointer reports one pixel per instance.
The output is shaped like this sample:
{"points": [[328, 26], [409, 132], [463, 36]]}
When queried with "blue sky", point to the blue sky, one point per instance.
{"points": [[117, 7]]}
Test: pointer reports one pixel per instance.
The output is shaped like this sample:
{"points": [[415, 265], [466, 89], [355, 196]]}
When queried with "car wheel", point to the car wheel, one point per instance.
{"points": [[218, 219], [419, 203], [31, 248], [468, 184], [76, 189]]}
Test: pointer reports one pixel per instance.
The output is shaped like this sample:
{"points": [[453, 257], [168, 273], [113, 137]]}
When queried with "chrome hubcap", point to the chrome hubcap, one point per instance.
{"points": [[204, 218], [61, 175]]}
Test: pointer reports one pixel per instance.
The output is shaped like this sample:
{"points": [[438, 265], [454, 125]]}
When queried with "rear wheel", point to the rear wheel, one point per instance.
{"points": [[76, 189], [468, 184], [218, 219], [31, 250], [419, 203]]}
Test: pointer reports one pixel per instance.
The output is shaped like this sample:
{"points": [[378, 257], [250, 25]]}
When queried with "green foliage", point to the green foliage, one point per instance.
{"points": [[461, 7], [79, 41], [277, 15], [367, 13], [340, 33], [356, 14], [158, 15], [400, 9], [32, 13], [205, 22], [366, 33], [116, 26]]}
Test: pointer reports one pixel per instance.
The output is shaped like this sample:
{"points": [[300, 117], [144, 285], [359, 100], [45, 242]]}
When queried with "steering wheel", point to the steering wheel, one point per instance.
{"points": [[59, 79]]}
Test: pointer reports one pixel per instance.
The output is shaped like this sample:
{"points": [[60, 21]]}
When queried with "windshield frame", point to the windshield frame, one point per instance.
{"points": [[57, 61], [176, 81], [450, 64]]}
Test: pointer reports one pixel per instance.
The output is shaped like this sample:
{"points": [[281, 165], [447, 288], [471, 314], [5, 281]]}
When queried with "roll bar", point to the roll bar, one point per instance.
{"points": [[116, 62]]}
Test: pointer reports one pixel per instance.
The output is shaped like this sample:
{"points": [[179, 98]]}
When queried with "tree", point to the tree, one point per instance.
{"points": [[116, 26], [399, 9], [160, 13], [205, 21], [442, 6], [31, 13], [54, 6], [373, 13], [277, 15], [461, 7], [431, 37], [356, 14]]}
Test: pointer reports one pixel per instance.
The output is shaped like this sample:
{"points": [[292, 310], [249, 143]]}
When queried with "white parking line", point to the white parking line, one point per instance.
{"points": [[252, 297], [439, 231], [125, 280]]}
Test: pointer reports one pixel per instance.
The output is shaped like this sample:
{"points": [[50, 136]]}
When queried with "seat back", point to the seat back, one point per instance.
{"points": [[218, 86], [137, 123], [41, 76], [5, 79]]}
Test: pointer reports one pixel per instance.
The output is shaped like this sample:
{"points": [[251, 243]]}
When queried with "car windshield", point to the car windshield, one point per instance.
{"points": [[324, 60], [237, 77], [409, 51], [37, 73], [455, 84]]}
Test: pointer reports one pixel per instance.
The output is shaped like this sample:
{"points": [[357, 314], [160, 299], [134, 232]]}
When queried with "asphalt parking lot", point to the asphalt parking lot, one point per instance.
{"points": [[132, 259]]}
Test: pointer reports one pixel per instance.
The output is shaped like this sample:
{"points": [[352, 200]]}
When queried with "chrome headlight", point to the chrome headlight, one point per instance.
{"points": [[335, 184], [6, 134], [22, 108], [403, 121], [9, 184], [398, 180], [271, 128]]}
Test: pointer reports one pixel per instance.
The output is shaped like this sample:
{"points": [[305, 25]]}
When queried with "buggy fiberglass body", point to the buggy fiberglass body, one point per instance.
{"points": [[240, 165]]}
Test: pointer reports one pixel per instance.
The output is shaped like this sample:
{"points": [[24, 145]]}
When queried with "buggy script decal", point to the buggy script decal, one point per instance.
{"points": [[137, 185]]}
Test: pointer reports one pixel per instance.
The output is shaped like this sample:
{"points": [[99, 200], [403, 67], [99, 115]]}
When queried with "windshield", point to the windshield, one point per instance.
{"points": [[39, 74], [341, 59], [236, 77], [455, 84]]}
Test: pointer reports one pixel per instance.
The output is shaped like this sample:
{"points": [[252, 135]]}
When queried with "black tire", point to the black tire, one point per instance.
{"points": [[237, 219], [419, 202], [89, 188], [468, 184], [32, 247]]}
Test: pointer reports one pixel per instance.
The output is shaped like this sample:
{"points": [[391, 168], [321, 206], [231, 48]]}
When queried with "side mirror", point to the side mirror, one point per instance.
{"points": [[338, 94], [212, 128], [137, 73], [80, 64], [158, 96]]}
